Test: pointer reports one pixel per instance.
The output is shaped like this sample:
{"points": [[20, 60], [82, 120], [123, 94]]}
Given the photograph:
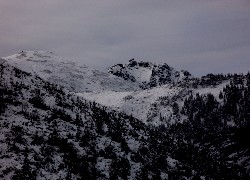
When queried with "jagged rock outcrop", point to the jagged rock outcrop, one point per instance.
{"points": [[149, 75]]}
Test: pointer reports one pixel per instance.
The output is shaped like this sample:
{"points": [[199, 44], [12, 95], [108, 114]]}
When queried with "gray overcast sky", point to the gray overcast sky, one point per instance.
{"points": [[196, 35]]}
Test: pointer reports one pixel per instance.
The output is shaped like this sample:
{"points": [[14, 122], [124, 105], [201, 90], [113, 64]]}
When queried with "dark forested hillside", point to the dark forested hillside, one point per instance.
{"points": [[47, 132], [217, 132]]}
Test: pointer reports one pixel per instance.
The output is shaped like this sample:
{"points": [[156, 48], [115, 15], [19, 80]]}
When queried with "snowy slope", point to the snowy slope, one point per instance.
{"points": [[146, 105], [75, 77], [155, 105]]}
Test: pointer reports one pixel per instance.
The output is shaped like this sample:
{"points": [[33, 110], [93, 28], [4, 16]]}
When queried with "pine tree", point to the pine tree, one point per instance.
{"points": [[175, 108], [26, 172], [220, 95]]}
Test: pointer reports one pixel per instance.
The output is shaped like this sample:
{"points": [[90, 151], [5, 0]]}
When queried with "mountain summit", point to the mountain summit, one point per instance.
{"points": [[147, 74]]}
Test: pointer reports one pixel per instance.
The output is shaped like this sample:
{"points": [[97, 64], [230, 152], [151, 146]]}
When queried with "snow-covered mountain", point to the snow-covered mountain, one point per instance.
{"points": [[61, 120], [61, 71], [109, 89], [162, 86], [147, 74], [143, 89]]}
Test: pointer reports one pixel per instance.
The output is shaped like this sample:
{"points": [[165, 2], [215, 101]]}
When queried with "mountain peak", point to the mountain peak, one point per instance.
{"points": [[147, 74], [133, 63]]}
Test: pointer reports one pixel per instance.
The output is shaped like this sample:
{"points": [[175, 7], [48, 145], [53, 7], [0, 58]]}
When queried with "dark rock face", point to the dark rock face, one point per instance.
{"points": [[162, 75], [120, 71]]}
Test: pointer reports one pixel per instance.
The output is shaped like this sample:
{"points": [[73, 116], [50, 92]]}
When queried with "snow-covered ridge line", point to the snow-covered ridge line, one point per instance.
{"points": [[74, 77]]}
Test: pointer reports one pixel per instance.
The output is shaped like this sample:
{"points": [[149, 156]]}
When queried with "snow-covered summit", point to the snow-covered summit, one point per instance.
{"points": [[69, 74], [147, 74]]}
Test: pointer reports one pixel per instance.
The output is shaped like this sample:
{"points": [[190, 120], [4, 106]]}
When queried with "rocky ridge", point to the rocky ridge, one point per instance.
{"points": [[149, 75]]}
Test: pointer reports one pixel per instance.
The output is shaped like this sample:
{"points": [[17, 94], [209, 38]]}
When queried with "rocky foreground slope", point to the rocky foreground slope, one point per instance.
{"points": [[62, 121]]}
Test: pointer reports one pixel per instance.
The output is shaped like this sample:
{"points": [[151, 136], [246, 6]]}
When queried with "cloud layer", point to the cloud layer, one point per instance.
{"points": [[199, 36]]}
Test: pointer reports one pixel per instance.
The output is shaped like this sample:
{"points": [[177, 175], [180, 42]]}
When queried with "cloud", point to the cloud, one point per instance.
{"points": [[186, 34]]}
